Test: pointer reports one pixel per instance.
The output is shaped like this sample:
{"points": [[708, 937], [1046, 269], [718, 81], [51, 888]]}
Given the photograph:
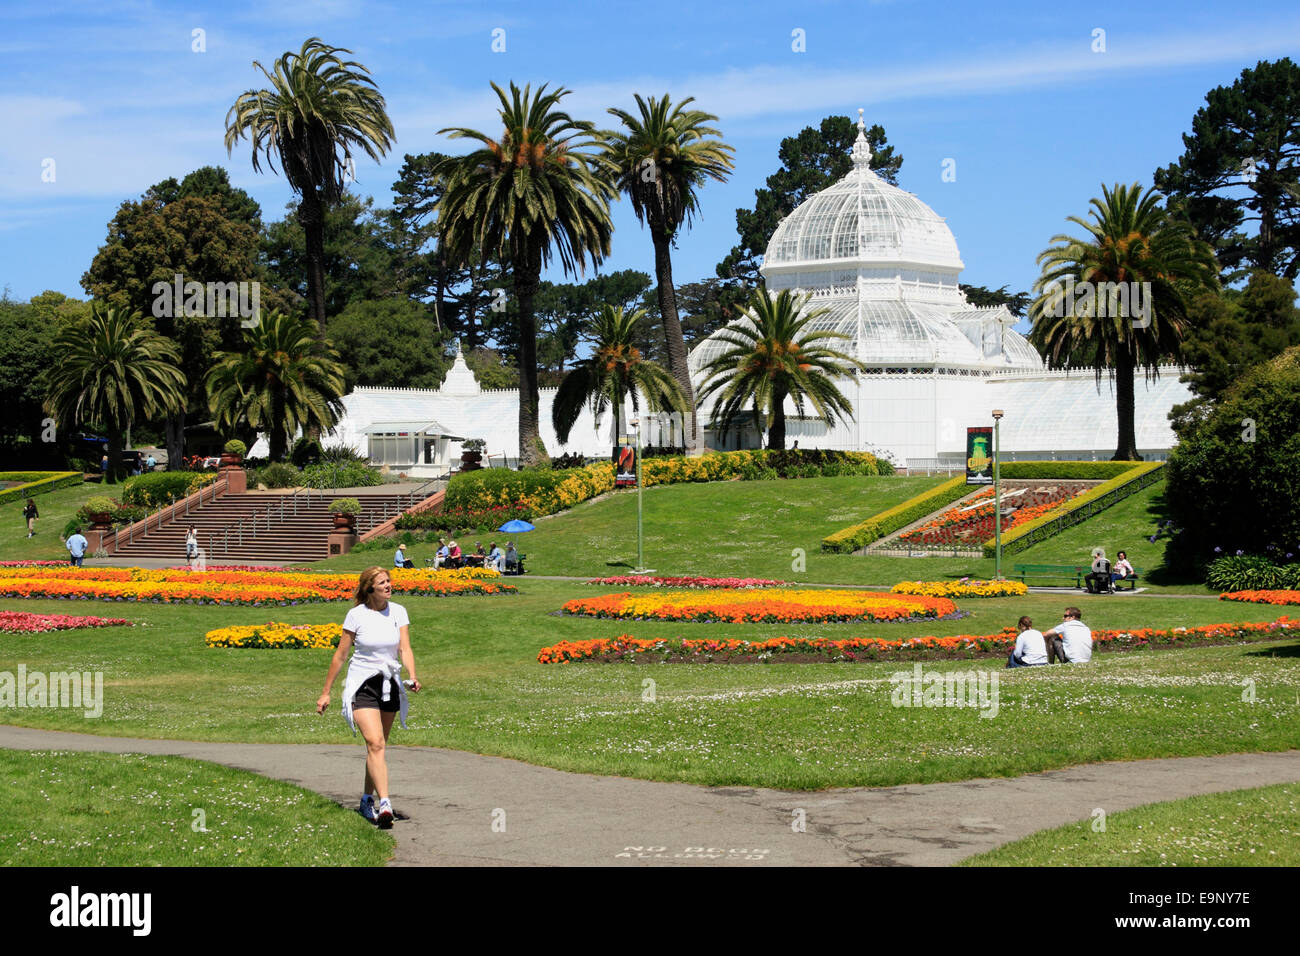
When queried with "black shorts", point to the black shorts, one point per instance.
{"points": [[370, 696]]}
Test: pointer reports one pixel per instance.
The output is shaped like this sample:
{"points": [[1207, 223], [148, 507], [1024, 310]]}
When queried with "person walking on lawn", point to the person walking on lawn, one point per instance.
{"points": [[31, 514], [373, 691]]}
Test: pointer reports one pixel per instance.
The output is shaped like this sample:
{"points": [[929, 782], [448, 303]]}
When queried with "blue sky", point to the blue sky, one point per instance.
{"points": [[1014, 93]]}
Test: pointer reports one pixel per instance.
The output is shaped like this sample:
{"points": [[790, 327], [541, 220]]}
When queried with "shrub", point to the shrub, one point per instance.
{"points": [[1065, 470], [345, 506], [346, 474], [235, 447], [342, 453], [473, 444], [1232, 482], [306, 451], [99, 504], [158, 488], [887, 522], [278, 474], [1251, 572]]}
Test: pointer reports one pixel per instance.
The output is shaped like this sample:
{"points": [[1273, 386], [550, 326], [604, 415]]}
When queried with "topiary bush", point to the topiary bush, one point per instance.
{"points": [[345, 506], [235, 447], [1232, 476]]}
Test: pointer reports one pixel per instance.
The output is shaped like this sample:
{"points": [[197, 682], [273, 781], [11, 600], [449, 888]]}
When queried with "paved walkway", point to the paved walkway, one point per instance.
{"points": [[452, 799]]}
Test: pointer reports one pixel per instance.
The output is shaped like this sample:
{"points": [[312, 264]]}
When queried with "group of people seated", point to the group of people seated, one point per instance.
{"points": [[450, 555], [1070, 642], [1103, 577]]}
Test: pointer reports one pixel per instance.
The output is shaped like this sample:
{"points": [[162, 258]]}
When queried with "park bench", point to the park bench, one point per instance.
{"points": [[1076, 571]]}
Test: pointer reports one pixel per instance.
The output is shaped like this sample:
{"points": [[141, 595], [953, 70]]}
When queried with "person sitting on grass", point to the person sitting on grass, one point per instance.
{"points": [[1031, 647], [454, 555], [400, 560], [1071, 640], [1122, 570], [496, 559], [77, 545], [440, 558]]}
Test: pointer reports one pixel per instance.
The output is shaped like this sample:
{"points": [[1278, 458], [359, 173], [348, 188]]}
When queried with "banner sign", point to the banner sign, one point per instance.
{"points": [[979, 456], [625, 466]]}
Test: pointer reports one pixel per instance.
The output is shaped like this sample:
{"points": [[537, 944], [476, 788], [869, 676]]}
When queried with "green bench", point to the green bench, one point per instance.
{"points": [[1076, 571]]}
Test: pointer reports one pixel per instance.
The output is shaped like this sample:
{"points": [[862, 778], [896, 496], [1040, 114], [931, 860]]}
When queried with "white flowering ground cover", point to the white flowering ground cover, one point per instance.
{"points": [[1257, 827]]}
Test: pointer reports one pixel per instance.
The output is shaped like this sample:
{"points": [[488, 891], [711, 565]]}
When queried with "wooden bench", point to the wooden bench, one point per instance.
{"points": [[1076, 571]]}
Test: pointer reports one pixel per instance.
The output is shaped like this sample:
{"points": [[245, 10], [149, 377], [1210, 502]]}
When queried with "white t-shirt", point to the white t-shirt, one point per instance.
{"points": [[1031, 648], [1076, 640], [378, 633]]}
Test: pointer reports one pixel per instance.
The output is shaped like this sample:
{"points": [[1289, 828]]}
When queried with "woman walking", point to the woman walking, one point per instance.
{"points": [[31, 514], [373, 692], [191, 545]]}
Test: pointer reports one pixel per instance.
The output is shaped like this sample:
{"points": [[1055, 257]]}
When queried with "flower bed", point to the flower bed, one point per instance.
{"points": [[628, 648], [972, 520], [1263, 597], [20, 622], [763, 605], [220, 586], [963, 588], [641, 580], [277, 635]]}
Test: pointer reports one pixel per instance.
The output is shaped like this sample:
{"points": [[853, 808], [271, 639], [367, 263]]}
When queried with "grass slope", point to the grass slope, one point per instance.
{"points": [[56, 508], [797, 726], [1258, 827], [77, 809]]}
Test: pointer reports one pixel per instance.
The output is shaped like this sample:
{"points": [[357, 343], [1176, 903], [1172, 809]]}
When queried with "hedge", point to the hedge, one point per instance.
{"points": [[1134, 477], [158, 488], [37, 483], [887, 522], [544, 492], [1066, 470]]}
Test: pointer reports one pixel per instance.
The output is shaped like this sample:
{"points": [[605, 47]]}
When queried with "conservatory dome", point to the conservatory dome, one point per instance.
{"points": [[862, 223]]}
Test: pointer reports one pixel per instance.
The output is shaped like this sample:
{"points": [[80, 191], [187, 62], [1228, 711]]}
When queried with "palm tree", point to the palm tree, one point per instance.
{"points": [[317, 105], [533, 191], [771, 356], [279, 382], [660, 160], [614, 371], [1117, 328], [113, 373]]}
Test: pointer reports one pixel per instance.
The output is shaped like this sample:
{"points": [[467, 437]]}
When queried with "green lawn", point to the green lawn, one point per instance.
{"points": [[56, 508], [781, 725], [79, 809], [1259, 827], [752, 528]]}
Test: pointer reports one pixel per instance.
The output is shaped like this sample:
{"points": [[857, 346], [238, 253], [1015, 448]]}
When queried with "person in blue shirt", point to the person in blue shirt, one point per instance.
{"points": [[150, 463], [77, 545], [400, 559]]}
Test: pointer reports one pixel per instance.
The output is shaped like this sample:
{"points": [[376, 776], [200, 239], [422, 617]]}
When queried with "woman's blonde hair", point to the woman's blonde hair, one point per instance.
{"points": [[366, 583]]}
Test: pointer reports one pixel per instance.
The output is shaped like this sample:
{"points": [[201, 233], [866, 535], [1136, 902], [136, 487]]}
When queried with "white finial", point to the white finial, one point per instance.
{"points": [[861, 148]]}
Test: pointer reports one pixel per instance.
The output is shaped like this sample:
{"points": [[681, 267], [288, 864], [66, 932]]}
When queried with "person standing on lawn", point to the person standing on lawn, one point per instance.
{"points": [[31, 514], [373, 691], [77, 545]]}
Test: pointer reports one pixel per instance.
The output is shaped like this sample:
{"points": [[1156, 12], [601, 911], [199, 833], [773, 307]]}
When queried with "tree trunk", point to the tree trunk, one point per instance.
{"points": [[1126, 449], [776, 434], [175, 440], [673, 335], [312, 219], [528, 271], [114, 456]]}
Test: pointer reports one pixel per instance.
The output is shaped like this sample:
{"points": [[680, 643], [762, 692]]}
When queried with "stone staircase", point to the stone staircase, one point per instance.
{"points": [[262, 527]]}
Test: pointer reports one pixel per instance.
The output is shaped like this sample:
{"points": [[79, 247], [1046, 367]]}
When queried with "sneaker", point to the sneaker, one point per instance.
{"points": [[385, 816], [368, 808]]}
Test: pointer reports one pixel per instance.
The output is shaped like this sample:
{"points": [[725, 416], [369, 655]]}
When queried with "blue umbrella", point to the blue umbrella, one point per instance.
{"points": [[515, 526]]}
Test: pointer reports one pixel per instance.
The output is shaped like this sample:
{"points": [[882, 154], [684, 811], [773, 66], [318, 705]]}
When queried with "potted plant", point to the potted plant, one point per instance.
{"points": [[233, 453], [100, 508], [345, 513], [471, 453]]}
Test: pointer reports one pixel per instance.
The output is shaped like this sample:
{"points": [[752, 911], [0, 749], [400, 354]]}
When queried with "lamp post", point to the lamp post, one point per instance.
{"points": [[997, 493], [635, 425]]}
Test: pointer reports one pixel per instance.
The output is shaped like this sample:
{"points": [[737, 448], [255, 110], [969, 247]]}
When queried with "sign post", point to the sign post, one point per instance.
{"points": [[997, 494]]}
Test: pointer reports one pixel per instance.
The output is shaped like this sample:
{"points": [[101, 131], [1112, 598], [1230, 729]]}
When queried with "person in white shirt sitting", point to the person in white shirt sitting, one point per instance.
{"points": [[1031, 647], [1122, 569], [373, 691], [1071, 640]]}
